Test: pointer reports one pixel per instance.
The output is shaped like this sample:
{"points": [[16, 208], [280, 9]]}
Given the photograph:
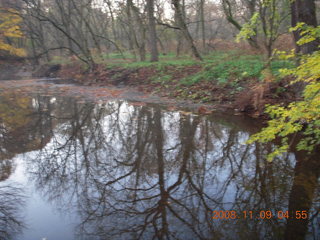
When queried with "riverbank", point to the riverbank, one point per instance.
{"points": [[225, 80]]}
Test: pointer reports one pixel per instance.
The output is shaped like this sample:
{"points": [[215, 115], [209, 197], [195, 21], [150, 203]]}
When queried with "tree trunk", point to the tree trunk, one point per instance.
{"points": [[182, 24], [203, 33], [179, 38], [140, 38], [304, 11], [115, 36], [132, 35], [152, 32]]}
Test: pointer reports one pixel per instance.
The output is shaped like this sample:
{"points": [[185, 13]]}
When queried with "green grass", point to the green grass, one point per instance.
{"points": [[116, 55], [159, 78], [225, 67], [158, 65], [59, 60], [222, 67]]}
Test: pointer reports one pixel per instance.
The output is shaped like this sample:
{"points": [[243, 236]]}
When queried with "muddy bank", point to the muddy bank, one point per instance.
{"points": [[248, 95], [100, 95], [13, 69]]}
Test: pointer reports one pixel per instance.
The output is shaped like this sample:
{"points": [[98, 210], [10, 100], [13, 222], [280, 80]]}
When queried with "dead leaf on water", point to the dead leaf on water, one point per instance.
{"points": [[185, 113]]}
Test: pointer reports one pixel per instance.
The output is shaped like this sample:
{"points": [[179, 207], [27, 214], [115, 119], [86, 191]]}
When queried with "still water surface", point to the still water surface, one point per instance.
{"points": [[120, 170]]}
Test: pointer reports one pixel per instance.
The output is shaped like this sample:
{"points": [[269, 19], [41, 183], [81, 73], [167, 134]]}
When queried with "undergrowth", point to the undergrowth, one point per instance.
{"points": [[225, 68]]}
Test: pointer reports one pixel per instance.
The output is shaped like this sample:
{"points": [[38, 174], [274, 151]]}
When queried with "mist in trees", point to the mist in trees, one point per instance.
{"points": [[92, 30]]}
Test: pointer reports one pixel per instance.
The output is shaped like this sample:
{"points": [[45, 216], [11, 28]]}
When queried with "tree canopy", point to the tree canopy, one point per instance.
{"points": [[299, 117], [10, 31]]}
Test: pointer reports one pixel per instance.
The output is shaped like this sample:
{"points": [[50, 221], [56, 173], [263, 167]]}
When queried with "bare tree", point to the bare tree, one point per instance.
{"points": [[137, 29], [152, 32], [184, 29], [231, 8], [202, 21]]}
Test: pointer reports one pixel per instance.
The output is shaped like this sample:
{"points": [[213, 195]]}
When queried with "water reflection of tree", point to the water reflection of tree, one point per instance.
{"points": [[138, 172], [302, 197], [11, 204], [25, 125], [18, 134], [22, 123], [143, 172]]}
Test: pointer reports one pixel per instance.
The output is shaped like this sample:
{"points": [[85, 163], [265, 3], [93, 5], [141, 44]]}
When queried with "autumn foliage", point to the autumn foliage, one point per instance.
{"points": [[9, 32], [300, 117]]}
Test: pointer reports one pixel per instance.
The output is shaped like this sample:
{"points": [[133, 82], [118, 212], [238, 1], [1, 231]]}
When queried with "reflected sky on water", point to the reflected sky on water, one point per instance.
{"points": [[121, 170]]}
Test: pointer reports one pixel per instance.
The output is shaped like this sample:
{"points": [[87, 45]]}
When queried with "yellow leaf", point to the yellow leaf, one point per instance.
{"points": [[9, 28]]}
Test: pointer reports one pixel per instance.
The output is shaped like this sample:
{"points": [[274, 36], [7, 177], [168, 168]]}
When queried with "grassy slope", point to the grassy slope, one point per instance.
{"points": [[221, 77]]}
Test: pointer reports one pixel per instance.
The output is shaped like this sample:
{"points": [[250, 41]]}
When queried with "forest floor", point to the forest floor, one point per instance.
{"points": [[230, 80]]}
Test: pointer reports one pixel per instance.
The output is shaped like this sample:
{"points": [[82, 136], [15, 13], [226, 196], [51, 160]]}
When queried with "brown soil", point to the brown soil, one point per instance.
{"points": [[251, 100], [13, 69], [147, 83]]}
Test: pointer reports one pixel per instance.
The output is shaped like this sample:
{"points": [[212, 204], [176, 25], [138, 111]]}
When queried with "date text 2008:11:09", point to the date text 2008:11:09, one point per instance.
{"points": [[263, 214]]}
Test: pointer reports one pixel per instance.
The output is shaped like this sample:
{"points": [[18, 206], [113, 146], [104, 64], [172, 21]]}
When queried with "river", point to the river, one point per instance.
{"points": [[117, 169]]}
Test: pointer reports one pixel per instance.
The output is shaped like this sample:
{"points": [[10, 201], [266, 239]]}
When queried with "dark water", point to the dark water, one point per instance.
{"points": [[116, 170]]}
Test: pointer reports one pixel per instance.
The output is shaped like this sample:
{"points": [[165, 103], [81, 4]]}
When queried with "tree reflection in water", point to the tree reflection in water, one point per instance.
{"points": [[141, 172], [11, 205], [17, 135]]}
